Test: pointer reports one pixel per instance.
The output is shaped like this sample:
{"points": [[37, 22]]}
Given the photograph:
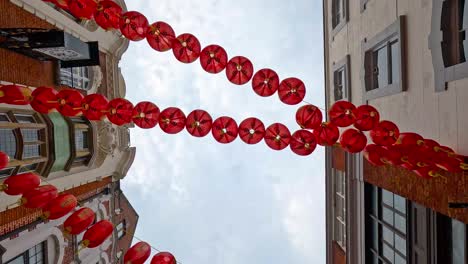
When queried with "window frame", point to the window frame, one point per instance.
{"points": [[78, 77], [395, 31], [26, 256], [123, 229], [344, 17], [80, 157], [343, 65]]}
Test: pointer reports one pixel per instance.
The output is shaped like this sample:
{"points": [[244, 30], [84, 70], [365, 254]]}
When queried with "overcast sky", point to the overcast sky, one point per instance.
{"points": [[228, 204]]}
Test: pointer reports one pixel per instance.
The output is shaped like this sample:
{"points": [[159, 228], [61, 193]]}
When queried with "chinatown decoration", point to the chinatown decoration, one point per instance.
{"points": [[44, 99], [138, 253], [265, 82], [15, 95], [342, 113], [366, 117], [303, 142], [224, 130], [199, 123], [94, 106], [108, 14], [213, 59], [134, 25], [120, 111], [373, 154], [186, 48], [251, 130], [38, 197], [326, 134], [59, 207], [97, 234], [163, 258], [79, 221], [145, 115], [309, 117], [63, 4], [277, 136], [239, 70], [291, 91], [20, 183], [353, 141], [385, 133], [82, 9], [4, 160], [160, 36], [69, 102], [172, 120]]}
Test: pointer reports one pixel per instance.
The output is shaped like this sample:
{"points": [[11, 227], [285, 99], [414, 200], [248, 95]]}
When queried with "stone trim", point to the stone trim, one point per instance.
{"points": [[442, 74], [395, 30]]}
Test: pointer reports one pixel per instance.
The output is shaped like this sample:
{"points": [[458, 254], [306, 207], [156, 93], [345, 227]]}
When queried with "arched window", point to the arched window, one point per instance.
{"points": [[23, 137]]}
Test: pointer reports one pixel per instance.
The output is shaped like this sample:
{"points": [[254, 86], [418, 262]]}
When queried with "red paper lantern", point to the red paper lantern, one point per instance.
{"points": [[79, 221], [160, 36], [366, 117], [94, 106], [15, 95], [309, 117], [108, 14], [145, 115], [277, 136], [20, 183], [59, 206], [449, 164], [239, 70], [4, 160], [69, 102], [392, 155], [138, 253], [163, 258], [409, 139], [251, 130], [120, 111], [407, 156], [353, 140], [82, 9], [44, 99], [186, 48], [373, 153], [39, 196], [265, 82], [385, 133], [172, 120], [224, 130], [199, 123], [134, 25], [63, 4], [97, 234], [303, 142], [341, 113], [291, 91], [326, 134], [427, 173], [213, 59]]}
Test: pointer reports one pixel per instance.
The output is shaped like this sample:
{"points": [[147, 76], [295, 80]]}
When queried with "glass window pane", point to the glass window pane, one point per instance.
{"points": [[30, 167], [458, 242], [8, 142], [387, 197], [18, 260], [30, 135], [374, 202], [400, 204], [6, 172], [31, 151], [395, 61], [4, 118], [400, 244], [25, 119], [387, 235], [399, 259], [375, 235], [387, 215], [381, 67], [388, 253], [400, 223]]}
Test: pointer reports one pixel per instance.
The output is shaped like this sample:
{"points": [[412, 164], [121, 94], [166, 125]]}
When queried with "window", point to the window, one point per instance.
{"points": [[454, 33], [76, 77], [121, 229], [341, 81], [452, 240], [34, 255], [339, 227], [339, 14], [23, 138], [383, 61], [82, 141], [386, 228]]}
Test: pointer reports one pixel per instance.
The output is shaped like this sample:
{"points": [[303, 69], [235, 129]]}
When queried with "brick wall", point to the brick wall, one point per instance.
{"points": [[339, 256], [131, 218]]}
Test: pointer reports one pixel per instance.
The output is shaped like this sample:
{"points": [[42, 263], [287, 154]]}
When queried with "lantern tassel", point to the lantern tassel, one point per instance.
{"points": [[3, 187]]}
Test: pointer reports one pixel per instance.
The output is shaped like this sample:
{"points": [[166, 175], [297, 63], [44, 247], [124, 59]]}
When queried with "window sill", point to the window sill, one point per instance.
{"points": [[383, 91], [337, 29]]}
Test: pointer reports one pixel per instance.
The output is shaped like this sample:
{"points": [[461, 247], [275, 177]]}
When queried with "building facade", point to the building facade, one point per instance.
{"points": [[407, 58], [78, 156]]}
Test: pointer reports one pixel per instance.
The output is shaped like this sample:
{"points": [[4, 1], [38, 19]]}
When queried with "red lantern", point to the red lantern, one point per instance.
{"points": [[410, 139], [82, 9], [385, 133], [160, 36], [69, 102], [108, 14], [59, 206], [199, 123], [186, 48], [97, 234], [353, 140], [94, 106], [309, 117], [134, 25], [163, 258], [213, 59], [366, 117], [449, 164], [120, 111], [407, 156], [239, 70], [4, 160], [428, 145], [341, 113], [172, 120], [79, 221], [291, 91], [44, 99], [63, 4], [373, 154], [251, 130], [326, 134], [15, 95], [224, 130], [277, 136], [303, 142], [20, 183], [145, 115], [39, 196], [392, 155], [265, 82], [427, 173], [138, 253]]}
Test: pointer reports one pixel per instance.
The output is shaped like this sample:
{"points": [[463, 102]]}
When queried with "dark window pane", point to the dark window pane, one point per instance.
{"points": [[4, 118], [395, 61], [380, 70], [25, 119], [30, 135], [6, 172], [31, 151], [374, 202], [375, 235], [8, 142], [458, 242], [30, 167]]}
